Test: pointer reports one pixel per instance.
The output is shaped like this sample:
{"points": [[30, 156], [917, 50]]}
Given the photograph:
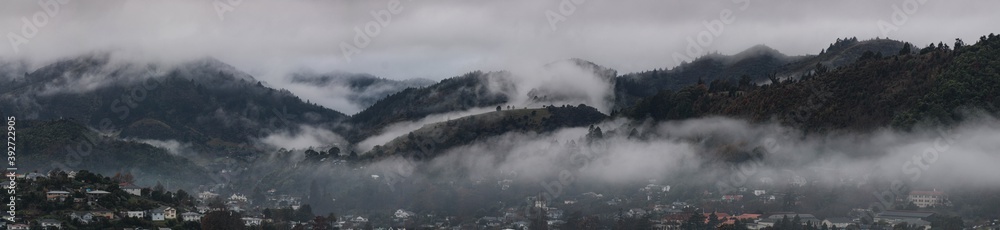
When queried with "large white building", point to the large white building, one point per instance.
{"points": [[925, 199]]}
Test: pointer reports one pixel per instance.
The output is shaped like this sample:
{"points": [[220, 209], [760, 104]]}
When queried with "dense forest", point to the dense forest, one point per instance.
{"points": [[435, 138], [901, 89]]}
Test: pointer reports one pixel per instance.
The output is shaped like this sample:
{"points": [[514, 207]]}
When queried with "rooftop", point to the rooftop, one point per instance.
{"points": [[904, 214], [930, 193]]}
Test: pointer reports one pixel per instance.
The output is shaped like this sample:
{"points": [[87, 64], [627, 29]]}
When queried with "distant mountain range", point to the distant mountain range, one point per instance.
{"points": [[363, 90], [221, 110]]}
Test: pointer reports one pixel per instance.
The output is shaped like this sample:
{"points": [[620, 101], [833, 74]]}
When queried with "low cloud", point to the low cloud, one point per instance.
{"points": [[305, 137]]}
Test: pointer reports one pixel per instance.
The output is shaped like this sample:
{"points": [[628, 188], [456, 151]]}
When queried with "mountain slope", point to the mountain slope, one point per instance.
{"points": [[756, 64], [874, 92], [433, 139], [68, 145], [472, 90], [204, 102], [362, 90]]}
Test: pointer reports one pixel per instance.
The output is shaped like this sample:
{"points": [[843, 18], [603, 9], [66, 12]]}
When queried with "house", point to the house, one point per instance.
{"points": [[131, 189], [93, 196], [899, 216], [759, 192], [359, 219], [134, 214], [770, 220], [746, 217], [170, 213], [838, 222], [98, 193], [636, 212], [731, 198], [57, 195], [50, 223], [191, 216], [251, 221], [34, 176], [103, 213], [238, 198], [163, 213], [156, 214], [19, 227], [925, 199], [403, 214], [206, 195], [83, 217]]}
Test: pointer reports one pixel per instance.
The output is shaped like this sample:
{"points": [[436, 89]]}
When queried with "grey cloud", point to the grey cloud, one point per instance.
{"points": [[437, 39]]}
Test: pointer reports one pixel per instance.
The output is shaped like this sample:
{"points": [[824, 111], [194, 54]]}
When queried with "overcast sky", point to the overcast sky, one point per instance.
{"points": [[439, 39]]}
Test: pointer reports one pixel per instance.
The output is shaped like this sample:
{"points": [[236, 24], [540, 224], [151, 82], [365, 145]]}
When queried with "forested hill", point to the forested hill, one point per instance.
{"points": [[204, 102], [433, 139], [68, 145], [360, 89], [934, 84], [754, 65], [472, 90]]}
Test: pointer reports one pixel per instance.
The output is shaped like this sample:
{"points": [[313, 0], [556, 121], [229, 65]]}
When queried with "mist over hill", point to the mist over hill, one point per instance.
{"points": [[832, 127]]}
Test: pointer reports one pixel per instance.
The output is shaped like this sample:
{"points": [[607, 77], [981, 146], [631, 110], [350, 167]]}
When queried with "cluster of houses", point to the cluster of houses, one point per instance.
{"points": [[96, 212], [662, 215], [90, 197]]}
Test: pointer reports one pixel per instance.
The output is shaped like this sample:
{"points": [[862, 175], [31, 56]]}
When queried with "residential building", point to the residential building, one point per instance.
{"points": [[403, 214], [770, 220], [132, 189], [925, 199], [899, 216], [251, 221], [206, 195], [57, 195], [163, 213], [50, 223], [839, 222], [191, 216], [103, 213], [83, 217], [134, 214]]}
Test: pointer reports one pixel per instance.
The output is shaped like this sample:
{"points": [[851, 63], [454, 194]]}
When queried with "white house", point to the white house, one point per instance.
{"points": [[841, 223], [191, 216], [238, 198], [206, 195], [163, 213], [132, 189], [250, 221], [135, 214], [83, 217], [19, 227], [359, 219], [403, 214], [925, 199], [50, 223], [759, 192]]}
